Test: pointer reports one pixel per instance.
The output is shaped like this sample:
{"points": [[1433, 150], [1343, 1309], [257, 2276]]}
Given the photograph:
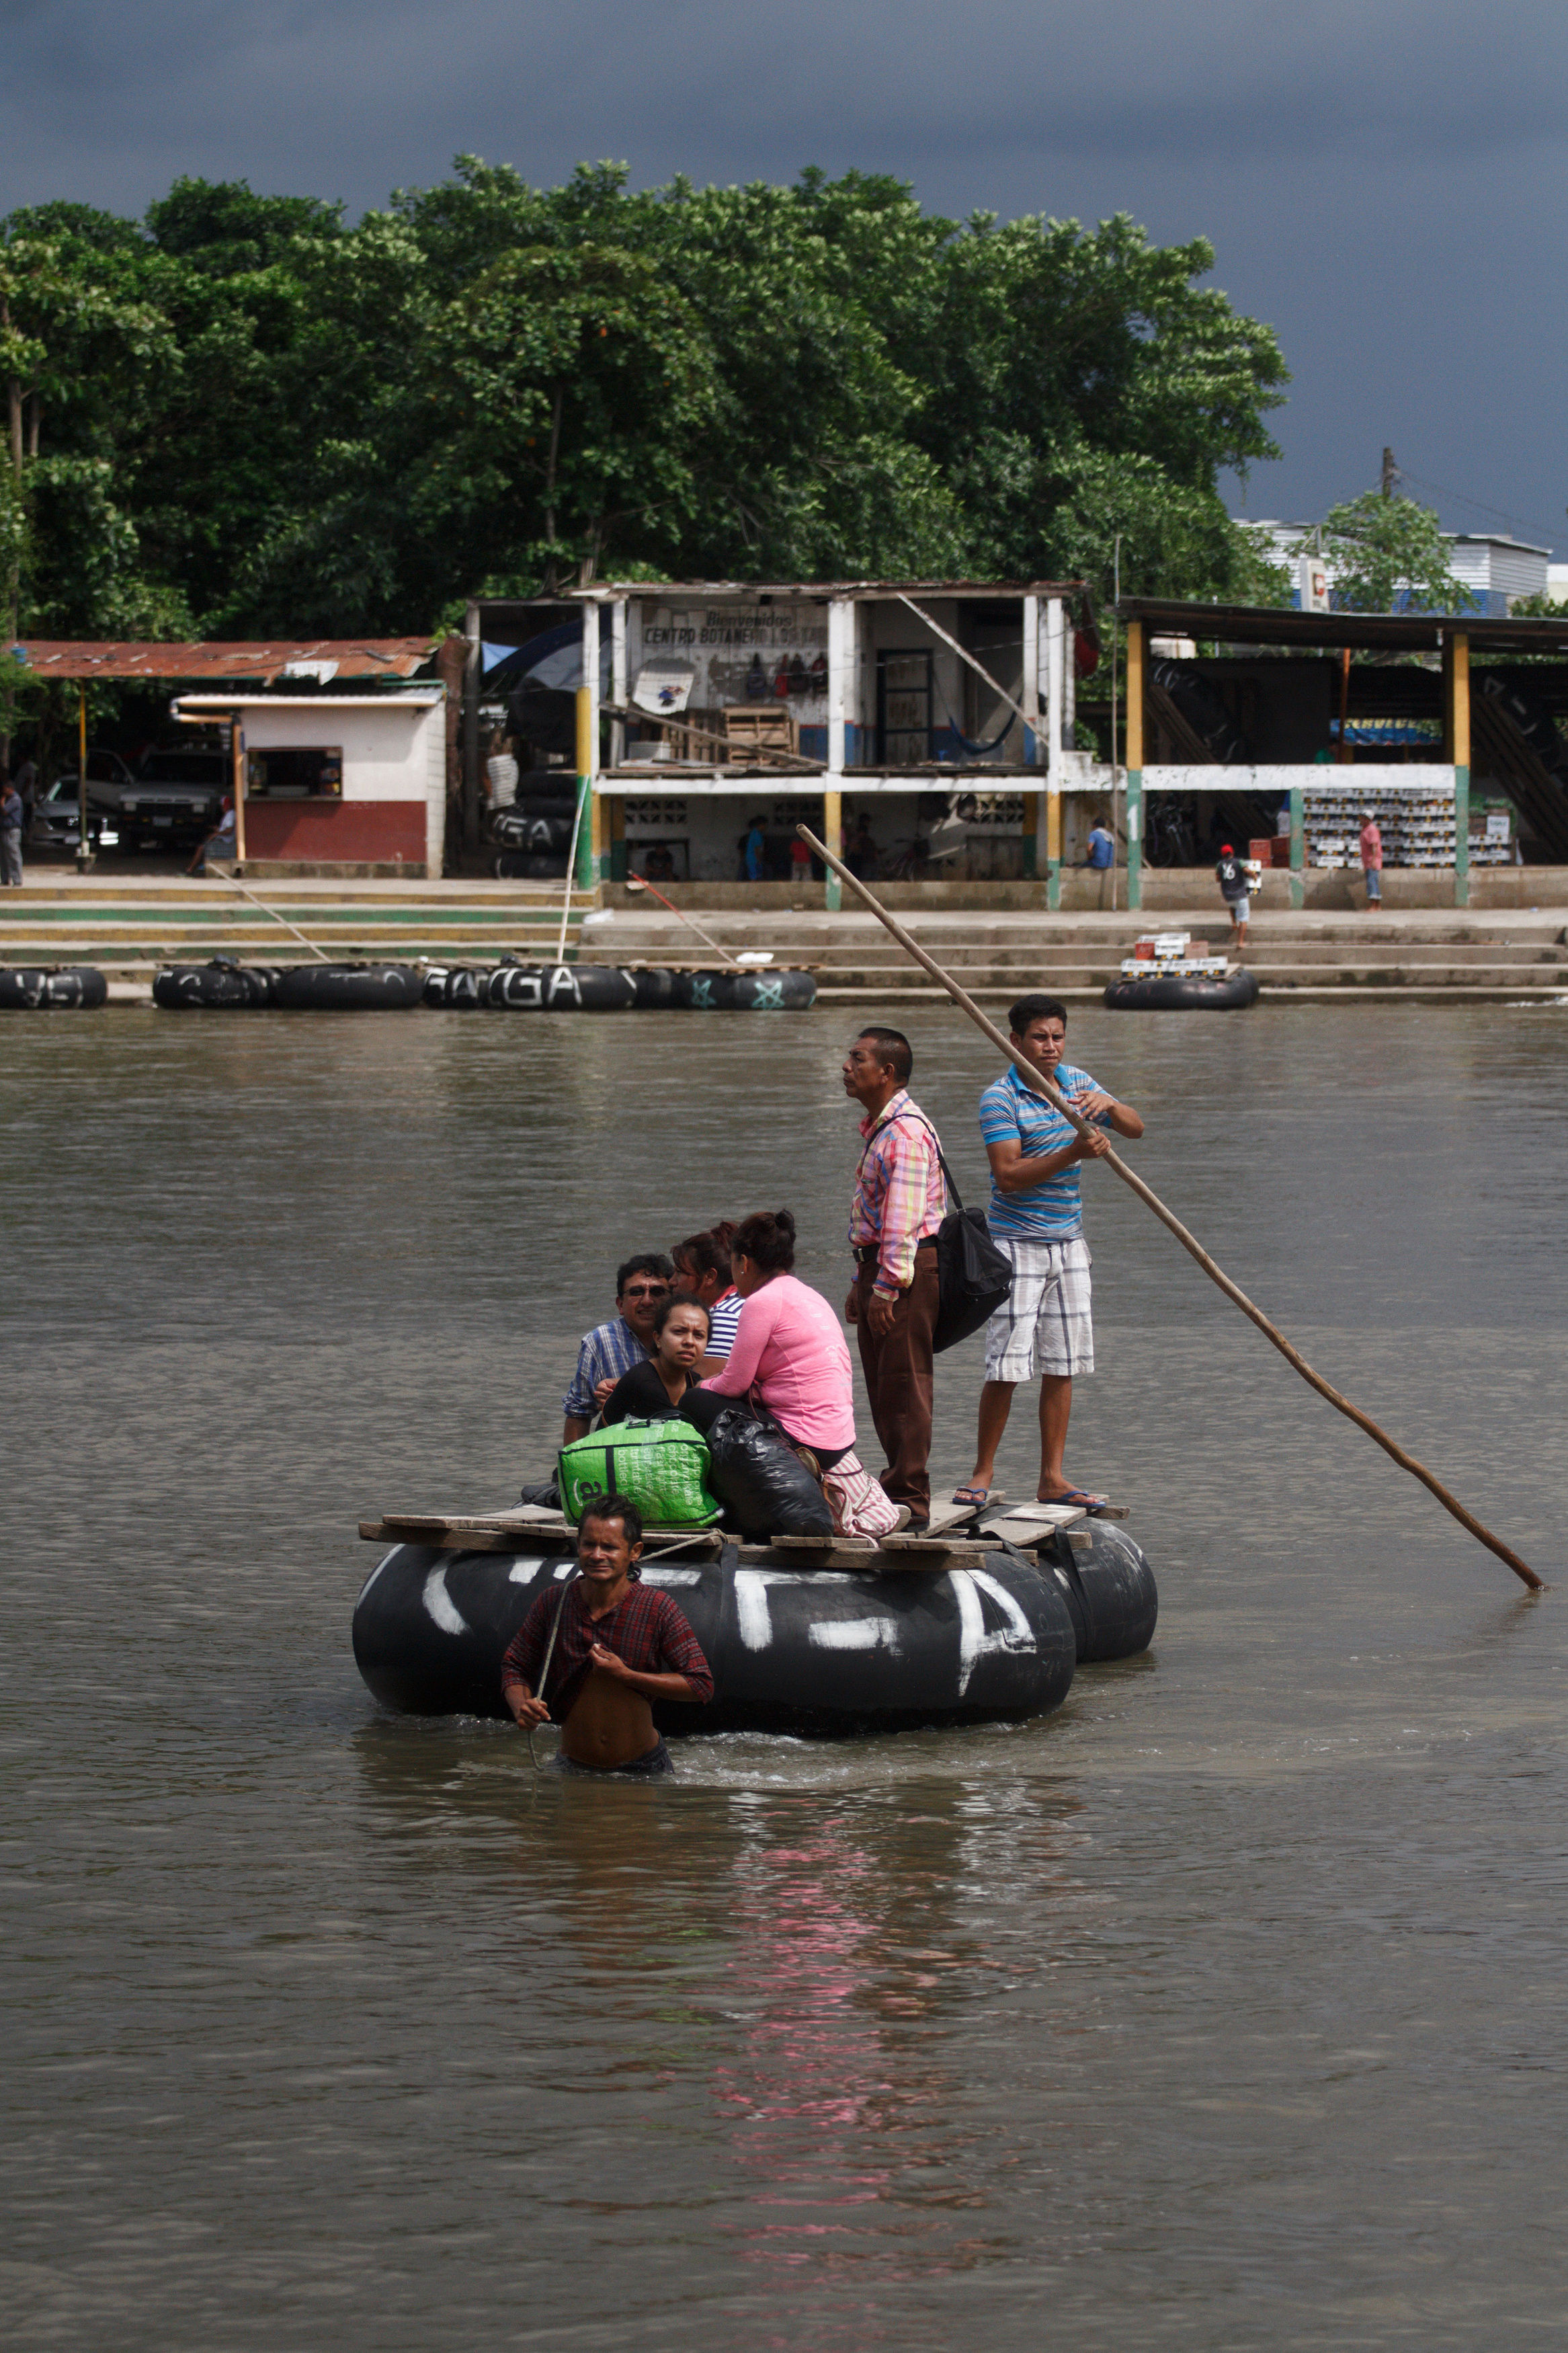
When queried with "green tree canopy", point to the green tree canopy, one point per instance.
{"points": [[1389, 552], [247, 414]]}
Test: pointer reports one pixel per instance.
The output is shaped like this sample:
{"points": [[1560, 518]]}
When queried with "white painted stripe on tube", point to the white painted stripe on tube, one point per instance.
{"points": [[856, 1634], [973, 1643], [441, 1606], [752, 1614]]}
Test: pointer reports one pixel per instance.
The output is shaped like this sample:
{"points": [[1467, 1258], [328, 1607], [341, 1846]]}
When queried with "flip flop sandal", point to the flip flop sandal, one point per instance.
{"points": [[1077, 1497], [977, 1496]]}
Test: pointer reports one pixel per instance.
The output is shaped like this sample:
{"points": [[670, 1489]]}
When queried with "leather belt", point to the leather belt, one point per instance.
{"points": [[867, 1253]]}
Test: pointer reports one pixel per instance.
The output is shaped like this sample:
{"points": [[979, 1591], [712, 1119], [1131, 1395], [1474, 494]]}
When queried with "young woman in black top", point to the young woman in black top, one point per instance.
{"points": [[653, 1390]]}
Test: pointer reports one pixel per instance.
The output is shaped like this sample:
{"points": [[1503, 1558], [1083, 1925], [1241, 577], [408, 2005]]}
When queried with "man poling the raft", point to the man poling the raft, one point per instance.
{"points": [[1035, 1079]]}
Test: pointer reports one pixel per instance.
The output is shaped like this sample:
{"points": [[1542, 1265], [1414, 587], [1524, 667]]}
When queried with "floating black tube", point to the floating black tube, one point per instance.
{"points": [[754, 990], [805, 1652], [463, 985], [182, 987], [560, 988], [1175, 992], [33, 989], [347, 988], [1109, 1587]]}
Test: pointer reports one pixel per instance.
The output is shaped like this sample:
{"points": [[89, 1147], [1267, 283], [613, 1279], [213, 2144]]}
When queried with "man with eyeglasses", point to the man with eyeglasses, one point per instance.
{"points": [[611, 1349]]}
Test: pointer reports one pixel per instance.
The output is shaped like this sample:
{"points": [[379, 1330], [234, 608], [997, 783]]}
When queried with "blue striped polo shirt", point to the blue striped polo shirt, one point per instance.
{"points": [[1010, 1111]]}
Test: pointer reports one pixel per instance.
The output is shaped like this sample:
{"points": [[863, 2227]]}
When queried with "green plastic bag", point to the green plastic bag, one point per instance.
{"points": [[659, 1466]]}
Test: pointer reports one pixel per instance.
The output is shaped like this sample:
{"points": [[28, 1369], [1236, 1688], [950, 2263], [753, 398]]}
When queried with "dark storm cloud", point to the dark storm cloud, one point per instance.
{"points": [[1385, 183]]}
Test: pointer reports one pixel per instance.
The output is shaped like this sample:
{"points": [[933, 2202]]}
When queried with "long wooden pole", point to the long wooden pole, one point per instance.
{"points": [[1233, 1290]]}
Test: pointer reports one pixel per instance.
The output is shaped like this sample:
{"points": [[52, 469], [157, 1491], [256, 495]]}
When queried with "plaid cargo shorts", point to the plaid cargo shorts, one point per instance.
{"points": [[1044, 1325]]}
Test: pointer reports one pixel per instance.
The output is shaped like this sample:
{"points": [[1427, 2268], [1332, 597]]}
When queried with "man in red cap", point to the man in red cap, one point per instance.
{"points": [[1232, 876]]}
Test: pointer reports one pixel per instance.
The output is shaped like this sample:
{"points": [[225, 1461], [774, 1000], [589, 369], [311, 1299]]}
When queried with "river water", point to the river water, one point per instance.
{"points": [[1222, 2009]]}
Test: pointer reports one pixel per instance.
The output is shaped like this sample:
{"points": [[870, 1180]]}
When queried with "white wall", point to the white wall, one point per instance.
{"points": [[387, 754]]}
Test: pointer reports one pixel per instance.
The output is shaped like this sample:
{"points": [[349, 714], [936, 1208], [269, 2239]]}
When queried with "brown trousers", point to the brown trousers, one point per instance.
{"points": [[897, 1368]]}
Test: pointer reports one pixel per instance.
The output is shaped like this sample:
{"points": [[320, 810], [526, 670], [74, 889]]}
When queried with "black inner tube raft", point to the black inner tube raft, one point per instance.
{"points": [[1175, 992], [52, 988], [808, 1652]]}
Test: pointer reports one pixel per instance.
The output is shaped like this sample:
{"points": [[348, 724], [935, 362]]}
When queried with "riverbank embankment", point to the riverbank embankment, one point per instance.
{"points": [[128, 928]]}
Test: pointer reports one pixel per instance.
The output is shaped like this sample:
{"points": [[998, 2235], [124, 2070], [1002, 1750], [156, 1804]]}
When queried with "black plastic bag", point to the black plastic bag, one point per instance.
{"points": [[763, 1485]]}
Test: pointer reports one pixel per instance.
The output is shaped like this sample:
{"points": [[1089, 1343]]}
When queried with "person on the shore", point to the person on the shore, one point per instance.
{"points": [[619, 1646], [612, 1348], [659, 866], [1372, 858], [791, 1358], [654, 1390], [1231, 876], [1102, 855], [12, 814], [756, 852], [900, 1202], [222, 841], [860, 853], [703, 1272], [1043, 1330]]}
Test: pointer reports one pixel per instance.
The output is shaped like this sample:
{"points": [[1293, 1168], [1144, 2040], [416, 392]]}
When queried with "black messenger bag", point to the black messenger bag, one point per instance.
{"points": [[974, 1277]]}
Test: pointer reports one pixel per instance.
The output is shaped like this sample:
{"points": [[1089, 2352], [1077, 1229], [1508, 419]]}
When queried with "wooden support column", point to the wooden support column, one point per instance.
{"points": [[1030, 696], [833, 835], [598, 858], [1456, 728], [1056, 618], [840, 686], [236, 755], [1135, 764], [1298, 847], [472, 673]]}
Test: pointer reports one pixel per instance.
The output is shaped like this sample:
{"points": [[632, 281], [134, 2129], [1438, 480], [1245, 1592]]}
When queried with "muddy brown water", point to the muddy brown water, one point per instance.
{"points": [[1222, 2009]]}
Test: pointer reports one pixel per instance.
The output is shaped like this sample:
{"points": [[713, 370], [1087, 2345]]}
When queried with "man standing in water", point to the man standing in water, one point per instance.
{"points": [[1045, 1327], [900, 1202], [620, 1646]]}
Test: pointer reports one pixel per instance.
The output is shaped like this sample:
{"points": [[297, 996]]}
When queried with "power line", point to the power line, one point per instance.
{"points": [[1500, 515]]}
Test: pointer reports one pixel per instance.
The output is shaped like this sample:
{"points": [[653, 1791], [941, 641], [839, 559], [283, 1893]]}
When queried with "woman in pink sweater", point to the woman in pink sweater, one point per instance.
{"points": [[791, 1357]]}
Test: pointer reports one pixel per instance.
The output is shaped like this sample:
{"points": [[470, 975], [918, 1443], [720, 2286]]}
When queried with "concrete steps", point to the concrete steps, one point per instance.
{"points": [[130, 927]]}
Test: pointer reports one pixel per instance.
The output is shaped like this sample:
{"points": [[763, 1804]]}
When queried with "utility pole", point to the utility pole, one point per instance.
{"points": [[1390, 473]]}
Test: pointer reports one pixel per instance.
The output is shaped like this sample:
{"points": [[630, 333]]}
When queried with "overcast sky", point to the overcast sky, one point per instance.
{"points": [[1383, 180]]}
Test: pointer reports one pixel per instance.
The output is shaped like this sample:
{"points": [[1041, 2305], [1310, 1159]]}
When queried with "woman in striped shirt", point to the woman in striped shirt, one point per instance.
{"points": [[703, 1272]]}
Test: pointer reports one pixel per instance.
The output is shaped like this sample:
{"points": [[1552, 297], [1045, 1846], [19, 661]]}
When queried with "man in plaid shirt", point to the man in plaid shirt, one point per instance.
{"points": [[900, 1203], [617, 1647]]}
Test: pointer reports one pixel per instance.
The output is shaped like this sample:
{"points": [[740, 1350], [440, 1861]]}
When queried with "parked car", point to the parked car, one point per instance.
{"points": [[57, 817], [174, 798]]}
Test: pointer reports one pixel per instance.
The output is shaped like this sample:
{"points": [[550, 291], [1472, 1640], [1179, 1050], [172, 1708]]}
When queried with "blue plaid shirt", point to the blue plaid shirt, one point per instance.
{"points": [[607, 1352]]}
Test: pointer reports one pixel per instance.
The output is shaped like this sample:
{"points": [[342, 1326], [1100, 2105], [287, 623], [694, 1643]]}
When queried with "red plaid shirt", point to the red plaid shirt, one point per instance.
{"points": [[645, 1629]]}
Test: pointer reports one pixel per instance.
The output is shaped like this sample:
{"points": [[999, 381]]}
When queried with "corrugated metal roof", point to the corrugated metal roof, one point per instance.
{"points": [[1281, 625], [607, 591], [321, 658]]}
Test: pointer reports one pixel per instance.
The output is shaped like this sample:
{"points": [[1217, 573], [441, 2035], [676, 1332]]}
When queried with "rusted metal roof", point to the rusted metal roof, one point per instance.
{"points": [[320, 657]]}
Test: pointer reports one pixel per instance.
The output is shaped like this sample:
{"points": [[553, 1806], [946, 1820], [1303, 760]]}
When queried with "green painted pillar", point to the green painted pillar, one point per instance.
{"points": [[1135, 839], [1298, 847], [1461, 837]]}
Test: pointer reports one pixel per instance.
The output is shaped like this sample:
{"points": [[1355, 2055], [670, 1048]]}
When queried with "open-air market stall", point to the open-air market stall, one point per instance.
{"points": [[912, 723], [1281, 727]]}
